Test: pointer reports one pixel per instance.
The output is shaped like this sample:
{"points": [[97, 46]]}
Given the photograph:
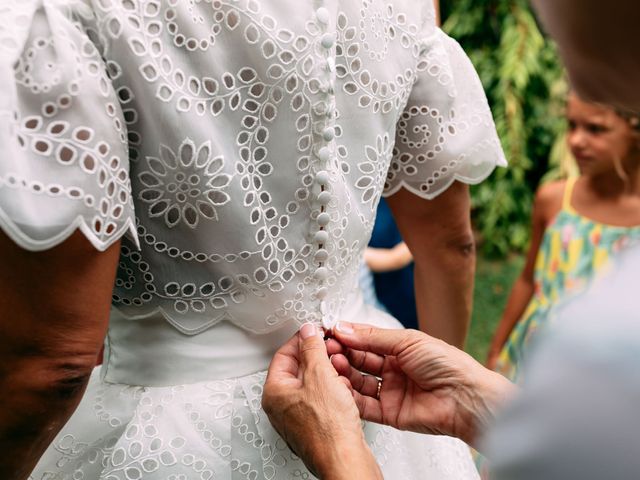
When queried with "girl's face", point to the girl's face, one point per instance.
{"points": [[598, 137]]}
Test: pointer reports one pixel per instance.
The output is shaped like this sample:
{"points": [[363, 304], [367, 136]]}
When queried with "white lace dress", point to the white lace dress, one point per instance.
{"points": [[239, 149]]}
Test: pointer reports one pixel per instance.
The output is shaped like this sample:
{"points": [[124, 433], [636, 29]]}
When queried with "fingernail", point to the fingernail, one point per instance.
{"points": [[308, 330], [344, 327]]}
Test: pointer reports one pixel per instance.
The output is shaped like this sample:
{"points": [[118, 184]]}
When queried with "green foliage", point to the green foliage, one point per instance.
{"points": [[524, 82]]}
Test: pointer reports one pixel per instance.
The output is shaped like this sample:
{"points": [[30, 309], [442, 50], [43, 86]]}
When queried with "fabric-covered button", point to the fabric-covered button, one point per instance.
{"points": [[324, 154], [321, 255], [321, 236], [321, 273], [324, 198], [323, 219], [322, 14], [322, 293], [328, 134], [328, 39], [322, 177]]}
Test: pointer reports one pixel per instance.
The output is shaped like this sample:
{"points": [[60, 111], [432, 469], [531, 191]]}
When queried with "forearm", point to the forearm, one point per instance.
{"points": [[444, 291], [343, 458], [516, 305], [388, 259]]}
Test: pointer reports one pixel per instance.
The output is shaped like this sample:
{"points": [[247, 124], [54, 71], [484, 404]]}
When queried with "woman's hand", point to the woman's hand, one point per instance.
{"points": [[427, 385], [313, 410]]}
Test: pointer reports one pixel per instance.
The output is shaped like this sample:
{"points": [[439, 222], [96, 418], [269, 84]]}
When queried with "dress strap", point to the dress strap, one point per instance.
{"points": [[568, 193]]}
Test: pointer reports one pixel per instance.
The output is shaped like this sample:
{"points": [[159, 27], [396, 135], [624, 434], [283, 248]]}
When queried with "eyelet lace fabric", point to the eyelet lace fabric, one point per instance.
{"points": [[242, 146]]}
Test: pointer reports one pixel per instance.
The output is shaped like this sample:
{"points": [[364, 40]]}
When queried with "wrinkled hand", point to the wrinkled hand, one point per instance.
{"points": [[427, 385], [313, 409]]}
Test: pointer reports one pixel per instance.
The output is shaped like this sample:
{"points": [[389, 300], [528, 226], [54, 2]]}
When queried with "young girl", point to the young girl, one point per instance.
{"points": [[577, 224]]}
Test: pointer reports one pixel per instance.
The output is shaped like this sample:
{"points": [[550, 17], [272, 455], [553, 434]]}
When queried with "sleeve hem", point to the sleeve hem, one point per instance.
{"points": [[27, 242], [430, 195]]}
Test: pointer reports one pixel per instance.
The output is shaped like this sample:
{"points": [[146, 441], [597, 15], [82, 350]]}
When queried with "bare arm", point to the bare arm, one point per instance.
{"points": [[54, 309], [388, 259], [547, 203], [438, 233]]}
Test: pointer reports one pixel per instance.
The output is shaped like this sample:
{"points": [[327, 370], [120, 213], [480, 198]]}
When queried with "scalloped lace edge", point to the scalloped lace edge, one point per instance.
{"points": [[210, 322], [500, 162], [13, 231]]}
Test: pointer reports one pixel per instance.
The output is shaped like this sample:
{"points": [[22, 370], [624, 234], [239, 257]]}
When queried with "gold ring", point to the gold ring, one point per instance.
{"points": [[379, 388]]}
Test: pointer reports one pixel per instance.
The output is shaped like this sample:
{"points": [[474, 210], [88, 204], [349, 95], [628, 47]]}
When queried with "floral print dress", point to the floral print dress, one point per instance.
{"points": [[574, 249]]}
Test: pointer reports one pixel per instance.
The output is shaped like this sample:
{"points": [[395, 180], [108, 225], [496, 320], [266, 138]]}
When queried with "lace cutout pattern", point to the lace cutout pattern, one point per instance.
{"points": [[253, 138], [214, 430]]}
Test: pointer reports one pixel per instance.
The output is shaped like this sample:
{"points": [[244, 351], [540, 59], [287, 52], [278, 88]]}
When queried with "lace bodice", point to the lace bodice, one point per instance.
{"points": [[242, 144]]}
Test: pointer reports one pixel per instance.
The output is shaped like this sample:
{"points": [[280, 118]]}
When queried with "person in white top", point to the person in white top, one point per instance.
{"points": [[202, 176], [576, 414]]}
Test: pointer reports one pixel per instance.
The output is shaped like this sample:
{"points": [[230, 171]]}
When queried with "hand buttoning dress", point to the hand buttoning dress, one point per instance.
{"points": [[239, 148]]}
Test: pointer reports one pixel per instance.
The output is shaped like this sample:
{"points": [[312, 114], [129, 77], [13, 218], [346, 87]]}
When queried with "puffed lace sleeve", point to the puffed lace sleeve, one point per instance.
{"points": [[446, 131], [64, 160]]}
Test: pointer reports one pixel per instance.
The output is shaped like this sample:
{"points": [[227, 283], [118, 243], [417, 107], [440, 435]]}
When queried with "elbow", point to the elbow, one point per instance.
{"points": [[459, 252], [56, 379], [54, 362], [67, 378], [41, 394], [463, 245], [455, 248]]}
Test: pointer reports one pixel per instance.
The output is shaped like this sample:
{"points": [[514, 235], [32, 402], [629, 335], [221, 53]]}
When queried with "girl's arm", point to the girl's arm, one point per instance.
{"points": [[388, 259], [546, 205]]}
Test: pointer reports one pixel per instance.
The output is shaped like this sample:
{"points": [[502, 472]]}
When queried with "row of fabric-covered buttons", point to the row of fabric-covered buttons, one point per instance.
{"points": [[323, 152]]}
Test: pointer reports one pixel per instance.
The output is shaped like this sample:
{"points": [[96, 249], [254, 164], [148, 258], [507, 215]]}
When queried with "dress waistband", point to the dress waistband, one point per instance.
{"points": [[151, 352]]}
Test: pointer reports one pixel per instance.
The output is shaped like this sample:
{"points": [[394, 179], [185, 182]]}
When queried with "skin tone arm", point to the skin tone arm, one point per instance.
{"points": [[438, 233], [54, 308], [547, 203], [436, 4], [388, 259]]}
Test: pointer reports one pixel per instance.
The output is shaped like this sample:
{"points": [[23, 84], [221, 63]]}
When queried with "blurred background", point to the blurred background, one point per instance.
{"points": [[520, 70]]}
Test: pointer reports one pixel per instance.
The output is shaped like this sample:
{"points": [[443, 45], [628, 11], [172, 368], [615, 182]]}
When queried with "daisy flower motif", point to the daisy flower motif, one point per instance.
{"points": [[186, 186], [374, 169]]}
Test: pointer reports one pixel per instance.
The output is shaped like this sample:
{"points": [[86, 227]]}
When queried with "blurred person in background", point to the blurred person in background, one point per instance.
{"points": [[577, 225]]}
